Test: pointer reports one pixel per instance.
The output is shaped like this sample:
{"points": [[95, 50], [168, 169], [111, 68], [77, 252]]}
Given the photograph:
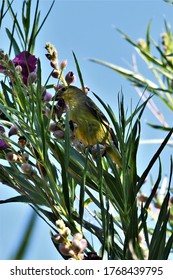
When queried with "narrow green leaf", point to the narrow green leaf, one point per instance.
{"points": [[79, 72], [26, 17], [25, 240], [148, 35], [160, 127], [143, 218], [36, 16], [45, 18], [153, 160], [36, 28], [168, 248], [18, 28], [155, 187], [2, 13], [156, 252], [19, 198], [163, 217], [82, 192], [13, 41]]}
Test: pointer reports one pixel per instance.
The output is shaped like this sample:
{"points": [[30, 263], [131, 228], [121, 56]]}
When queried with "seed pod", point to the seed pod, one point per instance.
{"points": [[64, 249], [95, 150], [77, 236], [55, 74], [76, 246], [13, 131], [27, 168], [83, 244], [22, 141], [60, 224], [54, 64], [63, 64], [58, 238], [58, 134], [2, 130], [32, 78], [11, 157], [67, 232], [70, 78], [53, 127], [25, 156], [47, 97], [87, 89]]}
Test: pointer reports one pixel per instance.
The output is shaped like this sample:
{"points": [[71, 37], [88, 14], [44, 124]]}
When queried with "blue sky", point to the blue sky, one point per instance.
{"points": [[89, 29]]}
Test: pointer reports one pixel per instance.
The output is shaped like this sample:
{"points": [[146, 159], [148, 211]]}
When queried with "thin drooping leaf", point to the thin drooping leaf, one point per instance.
{"points": [[35, 27], [79, 72], [153, 160], [13, 42], [19, 198], [18, 26], [160, 230], [25, 240]]}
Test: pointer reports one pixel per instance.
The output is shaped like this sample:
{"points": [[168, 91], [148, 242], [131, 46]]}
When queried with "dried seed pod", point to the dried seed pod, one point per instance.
{"points": [[27, 168], [11, 157], [13, 131], [70, 78], [58, 134]]}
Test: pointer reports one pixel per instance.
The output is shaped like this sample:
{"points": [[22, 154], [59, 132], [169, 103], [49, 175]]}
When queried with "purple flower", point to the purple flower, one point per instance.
{"points": [[3, 145], [28, 63]]}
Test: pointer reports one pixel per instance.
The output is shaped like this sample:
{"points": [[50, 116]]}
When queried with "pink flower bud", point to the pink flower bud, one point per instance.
{"points": [[13, 131], [58, 238], [83, 244], [22, 141], [53, 127], [67, 231], [54, 64], [32, 78], [64, 249], [58, 134], [27, 168], [76, 246], [2, 130], [60, 224], [47, 97], [55, 74], [18, 68], [63, 64], [11, 157], [95, 151], [77, 236], [87, 89], [70, 78], [25, 156]]}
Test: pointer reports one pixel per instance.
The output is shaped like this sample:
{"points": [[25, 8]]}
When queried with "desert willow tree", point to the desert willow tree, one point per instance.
{"points": [[94, 208]]}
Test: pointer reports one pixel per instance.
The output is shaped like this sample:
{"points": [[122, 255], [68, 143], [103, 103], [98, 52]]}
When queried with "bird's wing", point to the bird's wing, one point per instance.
{"points": [[99, 115]]}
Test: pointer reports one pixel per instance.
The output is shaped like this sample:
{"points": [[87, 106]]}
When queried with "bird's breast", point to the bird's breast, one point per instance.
{"points": [[89, 130]]}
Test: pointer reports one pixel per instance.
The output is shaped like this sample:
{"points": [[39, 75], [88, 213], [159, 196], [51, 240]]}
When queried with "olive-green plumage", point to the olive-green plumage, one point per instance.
{"points": [[92, 125]]}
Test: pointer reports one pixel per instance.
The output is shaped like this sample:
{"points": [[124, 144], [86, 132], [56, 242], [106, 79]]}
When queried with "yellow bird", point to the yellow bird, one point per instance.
{"points": [[92, 125]]}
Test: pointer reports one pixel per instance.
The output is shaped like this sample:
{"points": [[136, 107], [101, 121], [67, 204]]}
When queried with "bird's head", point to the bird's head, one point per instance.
{"points": [[63, 92], [69, 94]]}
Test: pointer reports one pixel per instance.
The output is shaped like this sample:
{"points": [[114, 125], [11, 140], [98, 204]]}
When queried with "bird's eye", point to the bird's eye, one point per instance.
{"points": [[63, 89]]}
